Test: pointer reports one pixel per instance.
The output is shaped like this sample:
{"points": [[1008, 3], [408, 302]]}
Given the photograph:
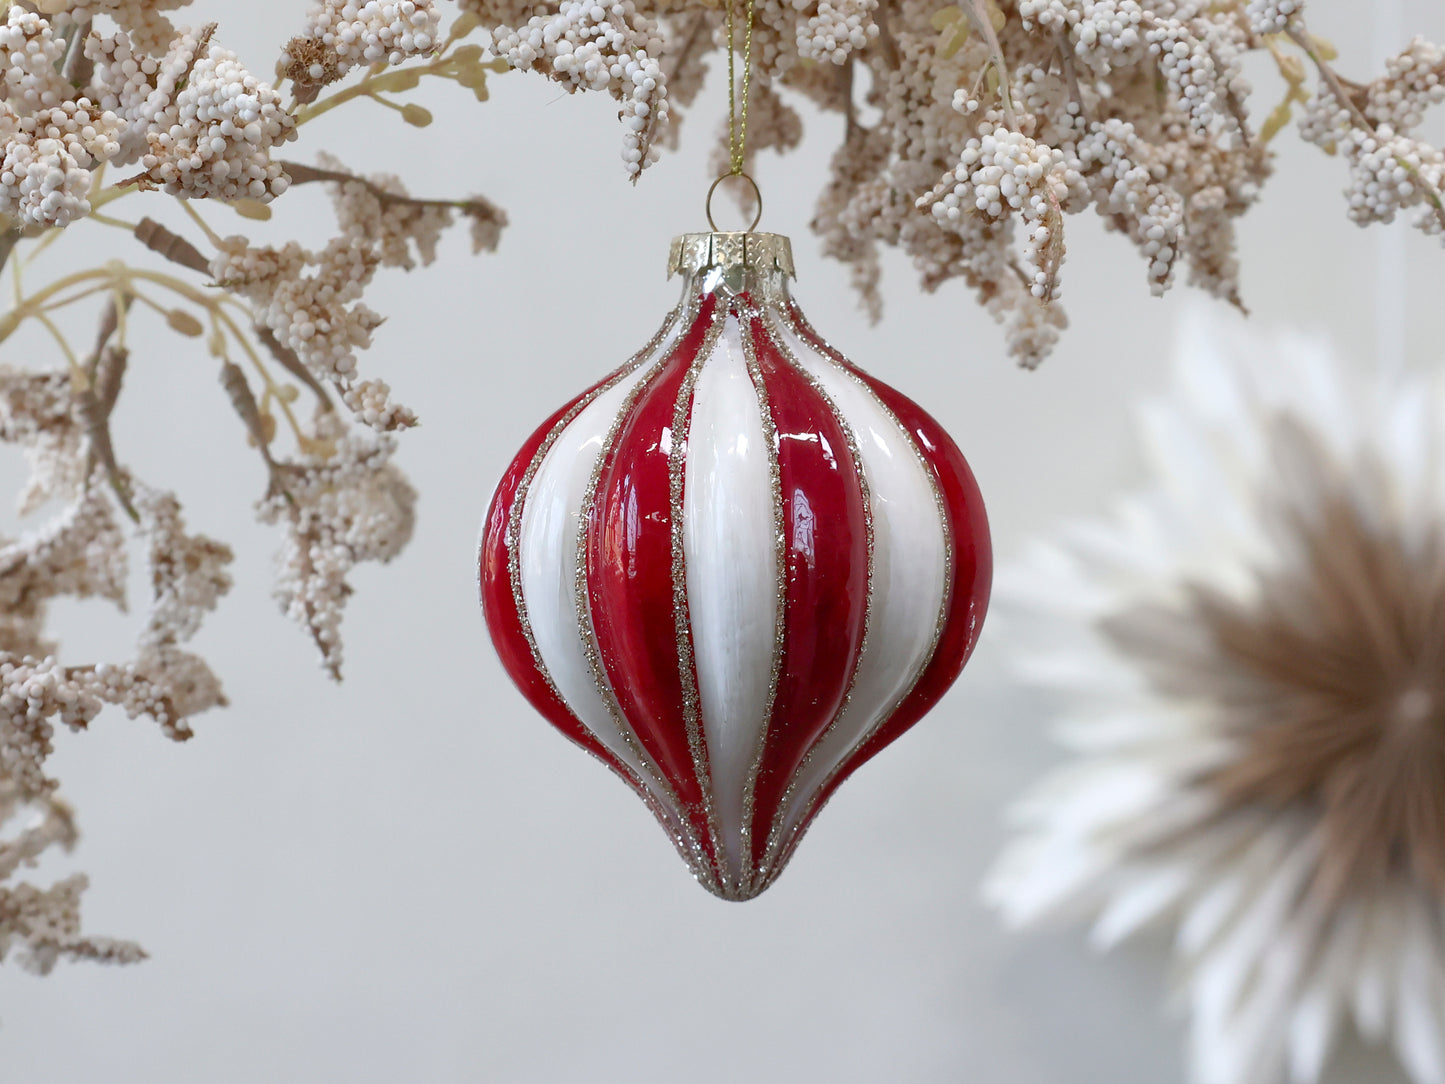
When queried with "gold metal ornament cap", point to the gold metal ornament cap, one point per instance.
{"points": [[763, 253]]}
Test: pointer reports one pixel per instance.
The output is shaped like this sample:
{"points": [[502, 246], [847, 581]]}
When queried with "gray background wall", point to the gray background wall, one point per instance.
{"points": [[410, 877]]}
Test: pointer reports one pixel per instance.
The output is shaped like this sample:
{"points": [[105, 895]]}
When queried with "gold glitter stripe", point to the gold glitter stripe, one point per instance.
{"points": [[780, 591], [798, 324], [682, 620], [770, 866]]}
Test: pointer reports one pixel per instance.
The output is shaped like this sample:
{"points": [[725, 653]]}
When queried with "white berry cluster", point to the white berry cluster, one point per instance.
{"points": [[1414, 80], [1390, 173], [400, 231], [49, 156], [371, 402], [32, 693], [1392, 170], [588, 45], [1116, 162], [134, 85], [317, 313], [351, 506], [31, 54], [53, 140], [1272, 16], [1002, 173], [149, 30], [1199, 63], [188, 572], [833, 31], [216, 136], [343, 34]]}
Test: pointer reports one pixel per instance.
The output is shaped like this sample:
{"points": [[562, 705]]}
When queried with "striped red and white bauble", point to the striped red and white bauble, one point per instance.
{"points": [[736, 568]]}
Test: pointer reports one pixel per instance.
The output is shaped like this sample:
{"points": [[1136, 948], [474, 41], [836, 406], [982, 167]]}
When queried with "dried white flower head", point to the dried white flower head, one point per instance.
{"points": [[215, 137], [1248, 658], [342, 34], [343, 504], [52, 139], [318, 315], [42, 925], [587, 45], [403, 231]]}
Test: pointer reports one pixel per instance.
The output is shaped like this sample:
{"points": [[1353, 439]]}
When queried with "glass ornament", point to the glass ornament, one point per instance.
{"points": [[737, 567]]}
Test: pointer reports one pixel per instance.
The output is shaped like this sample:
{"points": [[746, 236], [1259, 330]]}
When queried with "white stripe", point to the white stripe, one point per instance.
{"points": [[547, 555], [909, 570], [731, 569]]}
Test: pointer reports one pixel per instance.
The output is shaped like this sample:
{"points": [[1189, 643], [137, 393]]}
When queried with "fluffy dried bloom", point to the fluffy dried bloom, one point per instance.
{"points": [[487, 222], [38, 412], [1248, 662], [339, 509], [188, 572], [319, 315]]}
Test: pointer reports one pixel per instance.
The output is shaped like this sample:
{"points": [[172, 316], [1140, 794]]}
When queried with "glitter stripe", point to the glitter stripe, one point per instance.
{"points": [[751, 882], [682, 624]]}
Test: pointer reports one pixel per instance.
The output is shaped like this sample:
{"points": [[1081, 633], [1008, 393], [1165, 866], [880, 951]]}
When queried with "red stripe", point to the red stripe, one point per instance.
{"points": [[629, 576], [499, 604], [972, 562], [826, 561]]}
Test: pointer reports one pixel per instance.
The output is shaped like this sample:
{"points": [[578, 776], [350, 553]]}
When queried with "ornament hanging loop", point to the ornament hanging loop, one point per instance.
{"points": [[757, 201]]}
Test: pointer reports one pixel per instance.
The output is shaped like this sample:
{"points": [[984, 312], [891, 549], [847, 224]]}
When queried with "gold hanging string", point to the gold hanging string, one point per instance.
{"points": [[738, 117], [738, 124]]}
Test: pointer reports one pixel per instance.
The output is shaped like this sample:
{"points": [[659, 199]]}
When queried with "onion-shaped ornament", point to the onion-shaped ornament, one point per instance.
{"points": [[736, 568]]}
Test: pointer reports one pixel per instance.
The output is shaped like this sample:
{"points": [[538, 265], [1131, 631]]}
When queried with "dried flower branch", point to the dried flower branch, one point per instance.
{"points": [[96, 84], [1002, 117]]}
